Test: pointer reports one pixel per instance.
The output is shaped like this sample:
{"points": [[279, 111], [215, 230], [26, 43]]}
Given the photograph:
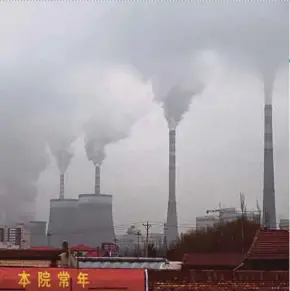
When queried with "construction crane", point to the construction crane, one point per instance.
{"points": [[214, 210]]}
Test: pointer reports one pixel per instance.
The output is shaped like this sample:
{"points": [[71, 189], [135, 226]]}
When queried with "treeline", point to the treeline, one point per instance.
{"points": [[236, 236]]}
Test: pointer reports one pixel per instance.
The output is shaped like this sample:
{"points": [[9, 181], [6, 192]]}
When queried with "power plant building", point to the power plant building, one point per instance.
{"points": [[95, 219], [62, 222], [87, 220], [37, 233]]}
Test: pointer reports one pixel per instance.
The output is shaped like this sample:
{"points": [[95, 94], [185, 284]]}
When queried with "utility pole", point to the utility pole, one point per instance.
{"points": [[147, 227], [165, 241], [259, 211], [48, 238], [243, 210]]}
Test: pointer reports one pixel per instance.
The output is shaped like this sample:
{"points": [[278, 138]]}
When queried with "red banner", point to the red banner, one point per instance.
{"points": [[55, 279]]}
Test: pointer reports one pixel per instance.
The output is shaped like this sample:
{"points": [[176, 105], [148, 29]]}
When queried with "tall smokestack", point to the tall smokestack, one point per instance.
{"points": [[61, 186], [171, 230], [97, 180], [269, 209]]}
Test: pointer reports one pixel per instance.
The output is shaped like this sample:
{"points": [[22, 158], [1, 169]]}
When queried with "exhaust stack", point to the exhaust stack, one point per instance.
{"points": [[61, 186], [269, 208], [171, 230], [97, 180]]}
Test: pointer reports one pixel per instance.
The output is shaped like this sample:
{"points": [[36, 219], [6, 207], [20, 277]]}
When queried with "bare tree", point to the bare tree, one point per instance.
{"points": [[243, 210], [259, 210], [243, 204]]}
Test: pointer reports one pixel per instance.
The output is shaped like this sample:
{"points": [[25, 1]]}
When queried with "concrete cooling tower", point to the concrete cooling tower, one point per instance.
{"points": [[95, 219], [62, 222], [37, 231]]}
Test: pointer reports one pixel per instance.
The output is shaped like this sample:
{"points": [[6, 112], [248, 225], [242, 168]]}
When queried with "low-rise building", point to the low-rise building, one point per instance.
{"points": [[205, 222], [284, 223]]}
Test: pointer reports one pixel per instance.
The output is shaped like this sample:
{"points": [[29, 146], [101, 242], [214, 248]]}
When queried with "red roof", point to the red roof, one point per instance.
{"points": [[213, 259], [269, 245], [43, 248], [82, 248]]}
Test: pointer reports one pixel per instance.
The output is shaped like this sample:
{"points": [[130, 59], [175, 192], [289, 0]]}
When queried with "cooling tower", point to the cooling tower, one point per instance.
{"points": [[171, 230], [95, 219], [269, 209], [97, 180], [62, 222], [37, 231], [61, 186]]}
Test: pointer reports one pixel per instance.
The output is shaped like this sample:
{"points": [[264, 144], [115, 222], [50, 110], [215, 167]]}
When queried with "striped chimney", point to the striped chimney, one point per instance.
{"points": [[97, 180], [269, 209], [61, 186], [171, 231]]}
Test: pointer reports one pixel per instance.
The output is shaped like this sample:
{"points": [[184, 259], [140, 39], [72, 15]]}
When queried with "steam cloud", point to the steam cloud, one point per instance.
{"points": [[119, 105], [268, 78], [60, 148], [154, 38], [174, 87], [151, 36]]}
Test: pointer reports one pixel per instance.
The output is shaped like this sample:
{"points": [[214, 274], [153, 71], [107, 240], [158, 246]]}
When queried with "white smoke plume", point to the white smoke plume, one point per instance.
{"points": [[116, 98], [34, 59], [41, 43], [166, 35], [62, 152], [268, 80], [174, 86]]}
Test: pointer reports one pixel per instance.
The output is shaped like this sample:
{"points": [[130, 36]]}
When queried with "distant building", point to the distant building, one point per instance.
{"points": [[16, 236], [205, 222], [87, 220], [134, 240], [284, 223], [229, 214], [225, 215]]}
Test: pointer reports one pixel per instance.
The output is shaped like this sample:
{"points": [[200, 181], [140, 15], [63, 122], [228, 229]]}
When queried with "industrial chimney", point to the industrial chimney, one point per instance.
{"points": [[61, 186], [171, 230], [269, 209], [97, 180]]}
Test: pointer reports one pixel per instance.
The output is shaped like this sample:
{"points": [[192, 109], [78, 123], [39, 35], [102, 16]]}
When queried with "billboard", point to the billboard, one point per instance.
{"points": [[56, 279]]}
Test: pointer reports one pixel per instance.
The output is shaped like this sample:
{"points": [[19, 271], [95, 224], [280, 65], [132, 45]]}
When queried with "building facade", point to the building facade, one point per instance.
{"points": [[284, 223], [16, 236]]}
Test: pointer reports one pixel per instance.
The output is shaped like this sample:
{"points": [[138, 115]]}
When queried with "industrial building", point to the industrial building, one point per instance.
{"points": [[225, 215], [87, 220], [62, 221], [134, 241], [205, 222], [284, 223], [15, 236], [37, 233], [95, 219]]}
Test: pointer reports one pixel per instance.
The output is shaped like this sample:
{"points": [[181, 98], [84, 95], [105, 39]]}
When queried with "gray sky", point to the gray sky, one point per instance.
{"points": [[61, 62]]}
